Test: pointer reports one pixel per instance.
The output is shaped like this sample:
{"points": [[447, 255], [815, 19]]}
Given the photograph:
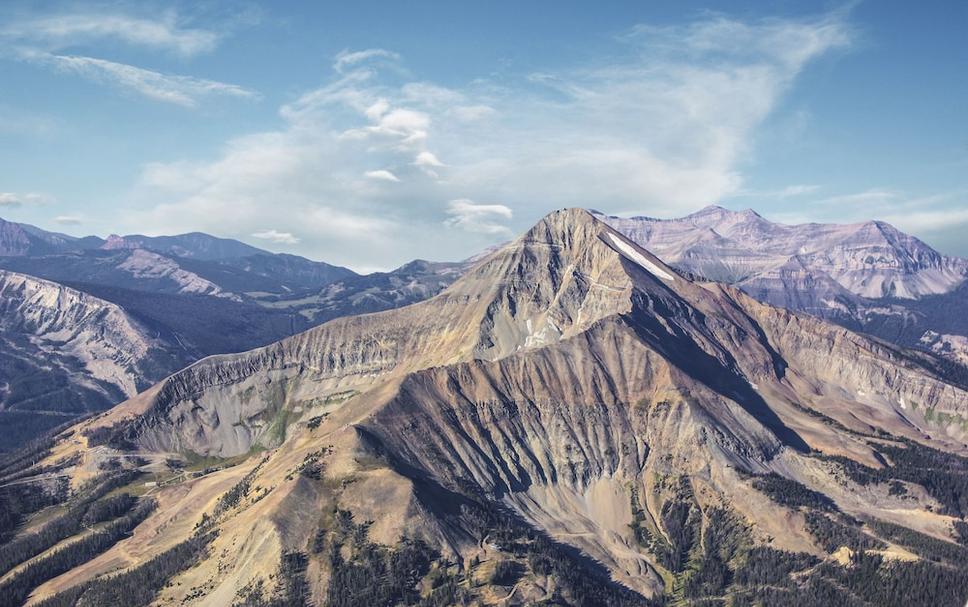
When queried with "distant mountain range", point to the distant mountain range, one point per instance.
{"points": [[188, 296], [196, 295], [571, 422], [188, 263], [868, 276]]}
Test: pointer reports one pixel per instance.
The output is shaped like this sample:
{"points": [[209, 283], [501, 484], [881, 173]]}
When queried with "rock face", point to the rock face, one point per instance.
{"points": [[65, 352], [571, 384], [863, 276]]}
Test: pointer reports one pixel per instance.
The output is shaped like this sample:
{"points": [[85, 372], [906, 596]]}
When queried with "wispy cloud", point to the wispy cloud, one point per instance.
{"points": [[43, 41], [381, 175], [663, 125], [276, 237], [347, 58], [473, 217], [69, 220], [12, 199], [186, 91], [792, 191], [72, 29]]}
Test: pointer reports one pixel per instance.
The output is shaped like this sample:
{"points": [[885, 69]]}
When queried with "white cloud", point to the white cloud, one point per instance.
{"points": [[661, 127], [797, 190], [930, 220], [471, 113], [404, 126], [347, 58], [427, 159], [170, 88], [381, 175], [276, 237], [11, 199], [473, 217], [68, 220], [65, 30], [42, 40]]}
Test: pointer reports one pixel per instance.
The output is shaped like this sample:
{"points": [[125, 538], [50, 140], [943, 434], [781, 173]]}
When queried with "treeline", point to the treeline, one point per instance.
{"points": [[136, 587], [372, 574], [15, 589], [681, 520], [20, 500], [723, 568], [772, 577], [925, 546], [362, 573], [26, 456], [578, 580], [943, 475], [961, 532], [899, 584], [792, 494], [765, 566], [831, 534], [60, 527], [31, 471], [73, 521], [723, 538]]}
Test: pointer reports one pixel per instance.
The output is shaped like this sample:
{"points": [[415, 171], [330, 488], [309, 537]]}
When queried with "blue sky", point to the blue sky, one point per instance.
{"points": [[371, 135]]}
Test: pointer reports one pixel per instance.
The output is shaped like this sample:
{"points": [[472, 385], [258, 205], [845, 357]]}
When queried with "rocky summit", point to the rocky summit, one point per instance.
{"points": [[571, 422]]}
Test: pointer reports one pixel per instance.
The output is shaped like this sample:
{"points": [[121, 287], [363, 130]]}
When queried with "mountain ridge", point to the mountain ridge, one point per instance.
{"points": [[867, 276], [579, 386]]}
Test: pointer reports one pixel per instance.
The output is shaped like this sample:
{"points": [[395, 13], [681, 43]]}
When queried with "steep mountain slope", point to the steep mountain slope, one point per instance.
{"points": [[199, 308], [66, 353], [570, 422], [867, 276]]}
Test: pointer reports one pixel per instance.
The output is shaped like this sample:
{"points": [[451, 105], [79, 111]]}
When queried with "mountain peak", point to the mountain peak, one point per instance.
{"points": [[582, 238], [711, 209], [566, 228]]}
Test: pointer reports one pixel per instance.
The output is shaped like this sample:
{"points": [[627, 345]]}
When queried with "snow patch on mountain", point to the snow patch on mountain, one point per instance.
{"points": [[629, 251]]}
